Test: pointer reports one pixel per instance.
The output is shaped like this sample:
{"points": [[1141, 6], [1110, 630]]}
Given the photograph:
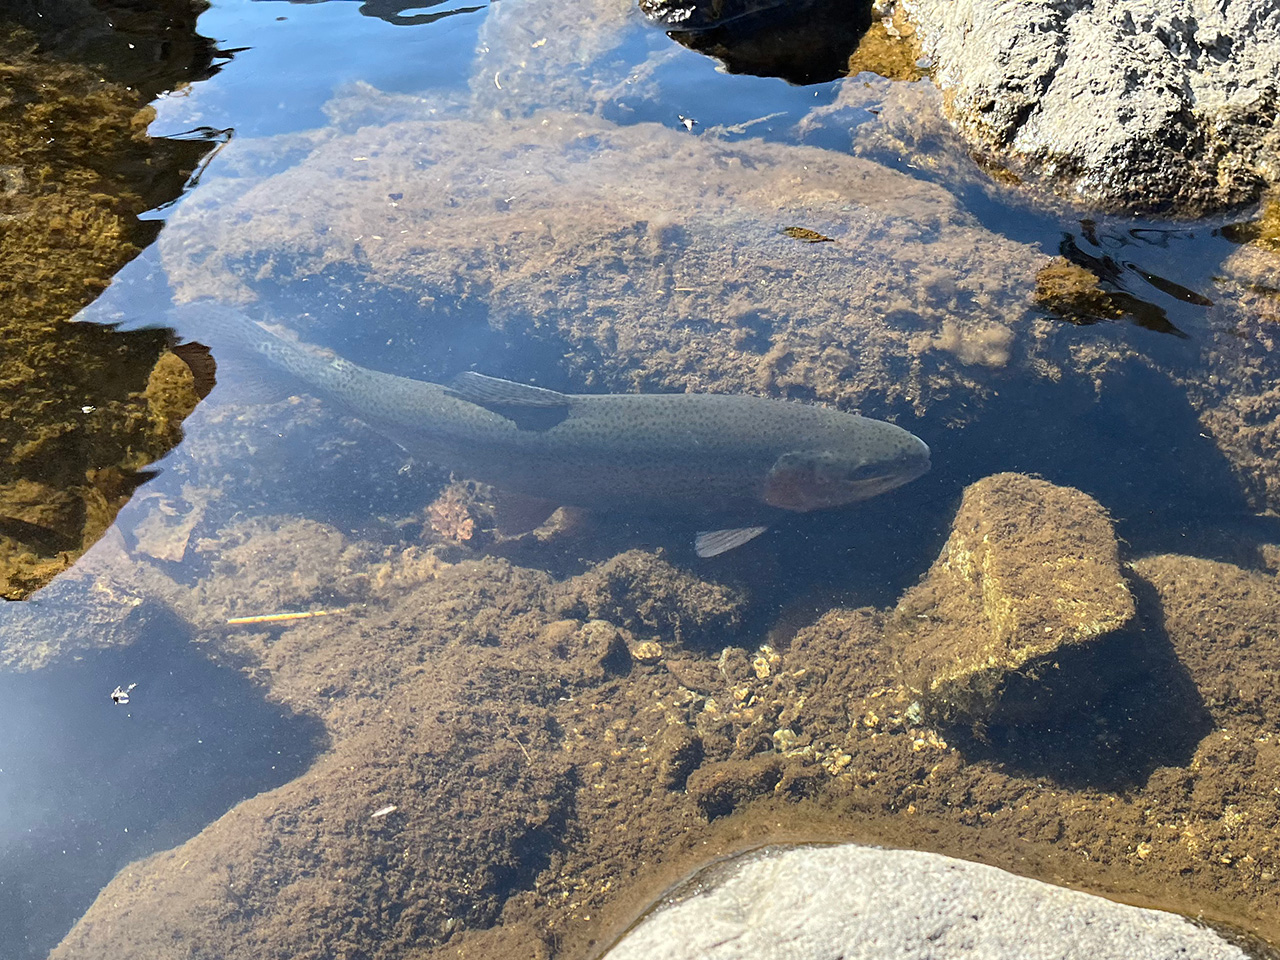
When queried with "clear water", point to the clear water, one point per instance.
{"points": [[88, 785]]}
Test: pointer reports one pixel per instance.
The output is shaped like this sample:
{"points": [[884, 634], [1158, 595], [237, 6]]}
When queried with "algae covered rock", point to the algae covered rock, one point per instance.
{"points": [[647, 595], [83, 410], [1026, 587]]}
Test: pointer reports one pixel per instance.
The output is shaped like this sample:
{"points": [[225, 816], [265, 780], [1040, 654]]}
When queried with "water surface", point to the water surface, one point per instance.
{"points": [[368, 722]]}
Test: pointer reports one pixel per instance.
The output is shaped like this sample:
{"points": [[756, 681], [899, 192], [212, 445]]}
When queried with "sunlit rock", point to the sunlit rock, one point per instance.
{"points": [[854, 901], [1124, 104], [1025, 589]]}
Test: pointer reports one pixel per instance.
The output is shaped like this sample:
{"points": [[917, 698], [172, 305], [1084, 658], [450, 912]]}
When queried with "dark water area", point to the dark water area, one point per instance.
{"points": [[383, 711], [91, 785]]}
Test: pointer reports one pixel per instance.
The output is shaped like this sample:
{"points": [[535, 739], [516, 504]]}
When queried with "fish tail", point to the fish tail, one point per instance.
{"points": [[226, 330]]}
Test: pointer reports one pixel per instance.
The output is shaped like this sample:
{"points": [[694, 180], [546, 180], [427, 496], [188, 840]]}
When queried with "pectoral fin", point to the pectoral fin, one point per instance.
{"points": [[529, 407], [712, 543], [517, 513]]}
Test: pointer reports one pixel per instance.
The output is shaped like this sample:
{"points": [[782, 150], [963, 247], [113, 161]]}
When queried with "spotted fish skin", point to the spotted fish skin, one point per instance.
{"points": [[696, 455]]}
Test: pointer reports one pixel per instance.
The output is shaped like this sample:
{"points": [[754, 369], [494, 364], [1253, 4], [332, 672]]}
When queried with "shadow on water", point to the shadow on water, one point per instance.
{"points": [[1156, 275], [396, 12], [1110, 740], [803, 42], [1140, 452], [1133, 265], [1142, 292], [129, 779]]}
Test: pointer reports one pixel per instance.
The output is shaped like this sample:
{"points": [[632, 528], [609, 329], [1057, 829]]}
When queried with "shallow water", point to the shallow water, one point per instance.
{"points": [[465, 742]]}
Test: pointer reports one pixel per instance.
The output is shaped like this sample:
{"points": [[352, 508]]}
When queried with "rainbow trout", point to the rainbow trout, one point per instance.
{"points": [[700, 456]]}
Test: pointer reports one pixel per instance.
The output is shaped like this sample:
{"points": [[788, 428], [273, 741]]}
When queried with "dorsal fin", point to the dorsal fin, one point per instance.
{"points": [[529, 408], [495, 392]]}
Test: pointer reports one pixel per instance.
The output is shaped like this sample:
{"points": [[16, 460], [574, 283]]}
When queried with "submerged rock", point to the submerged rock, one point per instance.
{"points": [[1125, 104], [855, 901], [533, 55], [1025, 588], [720, 788], [1239, 398], [645, 593], [640, 258], [498, 768], [634, 269]]}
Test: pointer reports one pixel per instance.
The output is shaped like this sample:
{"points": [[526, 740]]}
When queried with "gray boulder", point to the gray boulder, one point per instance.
{"points": [[864, 903], [1126, 104]]}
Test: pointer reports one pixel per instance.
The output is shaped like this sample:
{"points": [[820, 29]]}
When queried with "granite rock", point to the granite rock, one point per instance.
{"points": [[863, 903], [1125, 104]]}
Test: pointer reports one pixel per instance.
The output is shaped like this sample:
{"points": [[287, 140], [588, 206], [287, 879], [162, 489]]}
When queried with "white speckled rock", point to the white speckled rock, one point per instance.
{"points": [[852, 902], [1146, 105]]}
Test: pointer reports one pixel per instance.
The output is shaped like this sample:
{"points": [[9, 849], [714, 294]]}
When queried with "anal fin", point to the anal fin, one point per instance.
{"points": [[712, 543]]}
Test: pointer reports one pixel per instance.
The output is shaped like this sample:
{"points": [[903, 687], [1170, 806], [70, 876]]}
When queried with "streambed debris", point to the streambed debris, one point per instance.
{"points": [[807, 235], [502, 709], [281, 617]]}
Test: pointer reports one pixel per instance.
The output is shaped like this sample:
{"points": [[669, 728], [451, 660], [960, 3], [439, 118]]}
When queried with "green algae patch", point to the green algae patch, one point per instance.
{"points": [[1030, 576], [1073, 293]]}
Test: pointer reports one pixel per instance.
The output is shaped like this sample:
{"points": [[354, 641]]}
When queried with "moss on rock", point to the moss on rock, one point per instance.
{"points": [[1030, 573]]}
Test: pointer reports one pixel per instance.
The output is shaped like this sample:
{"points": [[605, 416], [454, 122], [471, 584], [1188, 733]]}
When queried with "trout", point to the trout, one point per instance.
{"points": [[692, 455]]}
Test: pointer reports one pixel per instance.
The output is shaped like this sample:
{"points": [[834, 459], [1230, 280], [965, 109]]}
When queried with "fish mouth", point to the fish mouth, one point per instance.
{"points": [[917, 462], [866, 489], [920, 468], [911, 465]]}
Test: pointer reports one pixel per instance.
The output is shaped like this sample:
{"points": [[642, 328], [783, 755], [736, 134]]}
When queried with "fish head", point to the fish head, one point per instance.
{"points": [[831, 476]]}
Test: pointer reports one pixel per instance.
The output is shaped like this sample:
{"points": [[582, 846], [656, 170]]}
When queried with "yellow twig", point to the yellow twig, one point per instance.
{"points": [[277, 617]]}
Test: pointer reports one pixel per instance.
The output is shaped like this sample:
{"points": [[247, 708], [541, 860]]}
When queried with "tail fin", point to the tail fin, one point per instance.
{"points": [[267, 367], [221, 326]]}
